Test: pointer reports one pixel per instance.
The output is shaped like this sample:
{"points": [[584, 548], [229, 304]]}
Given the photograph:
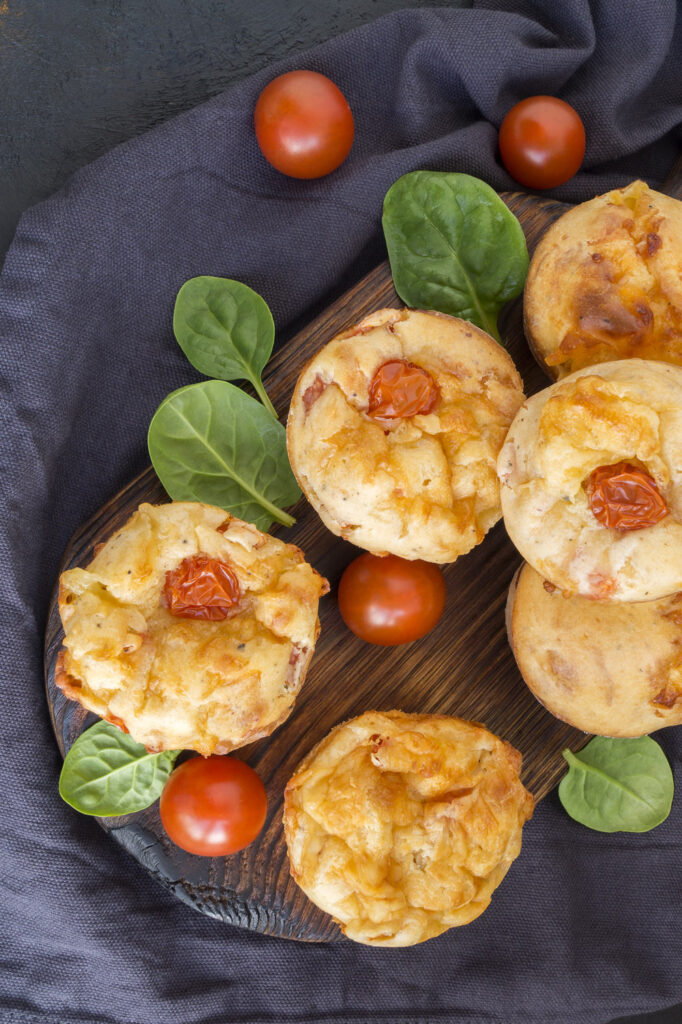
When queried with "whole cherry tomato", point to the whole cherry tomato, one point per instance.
{"points": [[542, 142], [304, 125], [391, 600], [213, 805]]}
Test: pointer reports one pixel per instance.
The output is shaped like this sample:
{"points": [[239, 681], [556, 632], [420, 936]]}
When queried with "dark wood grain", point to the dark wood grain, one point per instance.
{"points": [[464, 667]]}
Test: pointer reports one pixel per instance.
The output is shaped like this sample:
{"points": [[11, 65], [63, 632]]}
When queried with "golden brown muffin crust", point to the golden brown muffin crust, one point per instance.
{"points": [[401, 826], [604, 282], [610, 668], [186, 683], [421, 487]]}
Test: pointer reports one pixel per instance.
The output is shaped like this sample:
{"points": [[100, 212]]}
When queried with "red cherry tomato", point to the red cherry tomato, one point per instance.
{"points": [[213, 805], [542, 142], [201, 588], [304, 125], [400, 389], [391, 600], [624, 497]]}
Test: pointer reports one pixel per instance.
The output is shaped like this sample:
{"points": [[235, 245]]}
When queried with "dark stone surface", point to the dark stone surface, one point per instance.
{"points": [[80, 76]]}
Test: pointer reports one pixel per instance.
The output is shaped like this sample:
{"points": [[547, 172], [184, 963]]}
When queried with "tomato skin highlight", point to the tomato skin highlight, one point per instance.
{"points": [[542, 142], [213, 806], [389, 600], [304, 125]]}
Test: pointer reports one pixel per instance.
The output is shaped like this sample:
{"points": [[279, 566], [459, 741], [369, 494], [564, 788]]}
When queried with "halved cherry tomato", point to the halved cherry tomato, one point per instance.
{"points": [[391, 600], [304, 125], [624, 497], [201, 588], [542, 142], [400, 389], [213, 806]]}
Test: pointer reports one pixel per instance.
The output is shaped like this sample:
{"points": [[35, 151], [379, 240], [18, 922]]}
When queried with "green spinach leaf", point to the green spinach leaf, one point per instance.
{"points": [[618, 785], [454, 246], [107, 773], [211, 442], [226, 330]]}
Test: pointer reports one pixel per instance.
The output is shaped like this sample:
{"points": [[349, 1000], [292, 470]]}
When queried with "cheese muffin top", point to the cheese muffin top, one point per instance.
{"points": [[394, 430], [402, 826], [591, 481], [190, 629], [604, 282]]}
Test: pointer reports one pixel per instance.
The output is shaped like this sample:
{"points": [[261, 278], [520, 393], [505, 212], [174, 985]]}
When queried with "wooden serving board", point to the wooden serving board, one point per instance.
{"points": [[464, 667]]}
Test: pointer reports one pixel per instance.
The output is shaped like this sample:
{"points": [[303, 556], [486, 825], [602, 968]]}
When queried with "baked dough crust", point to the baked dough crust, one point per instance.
{"points": [[423, 487], [180, 683], [610, 668], [402, 826], [604, 282], [629, 410]]}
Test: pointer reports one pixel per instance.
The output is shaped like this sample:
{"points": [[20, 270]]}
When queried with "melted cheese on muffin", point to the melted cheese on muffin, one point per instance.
{"points": [[184, 682], [402, 826], [630, 410], [604, 282], [422, 486], [614, 669]]}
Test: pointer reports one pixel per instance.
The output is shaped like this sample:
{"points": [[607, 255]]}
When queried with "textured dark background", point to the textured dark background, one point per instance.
{"points": [[80, 76]]}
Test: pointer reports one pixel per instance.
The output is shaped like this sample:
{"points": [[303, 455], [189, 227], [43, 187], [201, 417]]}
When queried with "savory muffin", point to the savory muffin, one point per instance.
{"points": [[394, 429], [402, 826], [604, 282], [611, 668], [189, 629], [591, 481]]}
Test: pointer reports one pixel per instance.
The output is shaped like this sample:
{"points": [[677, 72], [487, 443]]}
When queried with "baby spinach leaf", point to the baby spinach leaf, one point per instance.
{"points": [[107, 773], [211, 442], [618, 785], [454, 246], [226, 330]]}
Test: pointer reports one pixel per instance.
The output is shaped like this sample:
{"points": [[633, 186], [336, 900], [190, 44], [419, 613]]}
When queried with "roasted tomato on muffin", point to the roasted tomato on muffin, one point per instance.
{"points": [[611, 668], [402, 826], [604, 283], [394, 430], [190, 629], [591, 481]]}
